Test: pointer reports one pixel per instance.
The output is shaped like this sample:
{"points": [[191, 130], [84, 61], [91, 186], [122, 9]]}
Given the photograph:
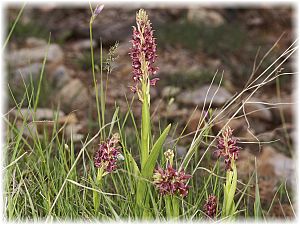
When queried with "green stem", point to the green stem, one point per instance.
{"points": [[146, 126], [97, 184], [175, 204], [229, 192], [168, 204], [94, 77]]}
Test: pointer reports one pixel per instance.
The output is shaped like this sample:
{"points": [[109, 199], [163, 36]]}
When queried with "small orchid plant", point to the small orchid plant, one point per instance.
{"points": [[169, 183]]}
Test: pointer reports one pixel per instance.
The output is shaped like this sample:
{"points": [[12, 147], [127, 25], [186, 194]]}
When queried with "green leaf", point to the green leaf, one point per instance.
{"points": [[147, 171], [132, 164], [231, 191], [114, 119]]}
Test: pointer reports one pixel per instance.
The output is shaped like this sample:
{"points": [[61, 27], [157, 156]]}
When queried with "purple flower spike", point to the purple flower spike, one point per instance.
{"points": [[153, 81], [170, 181], [143, 50], [107, 155], [98, 10], [227, 147], [210, 206]]}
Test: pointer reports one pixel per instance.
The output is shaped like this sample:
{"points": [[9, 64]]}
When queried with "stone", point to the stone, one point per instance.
{"points": [[272, 168], [44, 121], [32, 42], [205, 16], [124, 48], [109, 32], [173, 112], [274, 165], [198, 96], [153, 93], [237, 124], [194, 121], [73, 96], [60, 76], [255, 109], [245, 164], [25, 73], [84, 44], [181, 151], [258, 125], [284, 106], [40, 114], [25, 56], [170, 91], [266, 136], [73, 131]]}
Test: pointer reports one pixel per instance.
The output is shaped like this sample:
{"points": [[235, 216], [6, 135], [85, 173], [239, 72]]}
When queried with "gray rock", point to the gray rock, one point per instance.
{"points": [[197, 97], [73, 130], [40, 114], [255, 109], [32, 42], [278, 166], [170, 91], [284, 106], [266, 136], [60, 76], [73, 96], [124, 48], [109, 32], [24, 73], [205, 16], [25, 56], [181, 151], [84, 44]]}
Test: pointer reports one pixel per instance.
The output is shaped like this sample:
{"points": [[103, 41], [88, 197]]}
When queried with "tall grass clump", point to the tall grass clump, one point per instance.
{"points": [[113, 175]]}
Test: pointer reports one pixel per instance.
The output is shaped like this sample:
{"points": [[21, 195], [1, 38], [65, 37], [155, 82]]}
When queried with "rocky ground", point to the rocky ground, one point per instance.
{"points": [[193, 43]]}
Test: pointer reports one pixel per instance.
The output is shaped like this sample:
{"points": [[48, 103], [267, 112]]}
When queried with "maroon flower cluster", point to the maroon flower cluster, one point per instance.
{"points": [[170, 181], [107, 155], [227, 147], [210, 206], [143, 51]]}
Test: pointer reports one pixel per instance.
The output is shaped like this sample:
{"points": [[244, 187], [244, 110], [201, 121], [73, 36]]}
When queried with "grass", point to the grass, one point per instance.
{"points": [[26, 30], [49, 177], [189, 80], [228, 38]]}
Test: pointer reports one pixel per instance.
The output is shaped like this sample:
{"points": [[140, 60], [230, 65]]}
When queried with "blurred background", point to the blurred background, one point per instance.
{"points": [[194, 43]]}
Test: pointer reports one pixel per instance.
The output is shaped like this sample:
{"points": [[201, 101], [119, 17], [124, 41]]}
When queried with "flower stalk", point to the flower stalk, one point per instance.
{"points": [[228, 210], [96, 12], [143, 55], [228, 149], [171, 183], [105, 161]]}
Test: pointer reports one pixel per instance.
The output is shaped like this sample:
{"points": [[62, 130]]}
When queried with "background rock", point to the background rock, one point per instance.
{"points": [[198, 97], [25, 56], [73, 96], [205, 16]]}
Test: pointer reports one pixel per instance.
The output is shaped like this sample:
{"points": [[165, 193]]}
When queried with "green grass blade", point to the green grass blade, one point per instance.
{"points": [[257, 204], [13, 27]]}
